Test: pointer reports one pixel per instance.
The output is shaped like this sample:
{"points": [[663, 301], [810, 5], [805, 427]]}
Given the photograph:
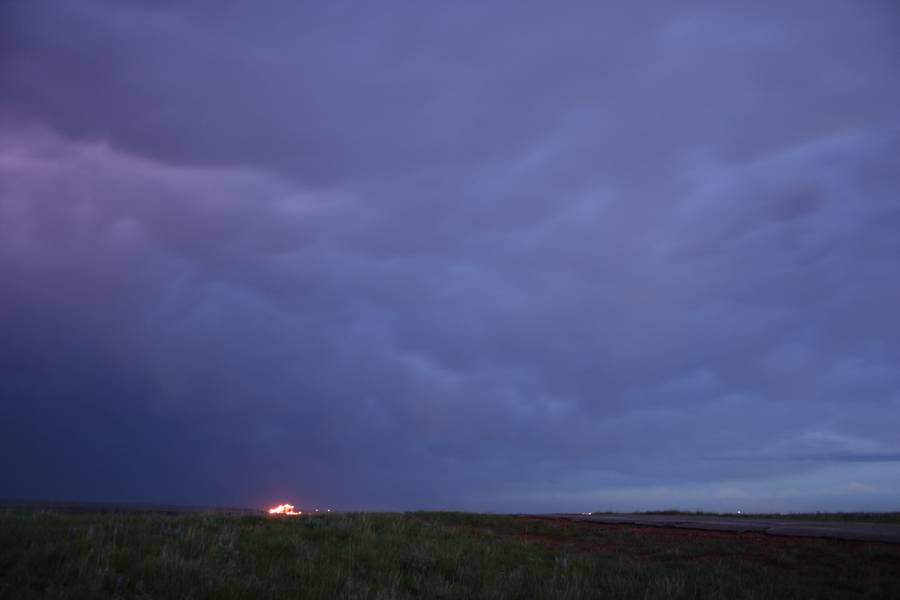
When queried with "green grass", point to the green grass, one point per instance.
{"points": [[417, 555]]}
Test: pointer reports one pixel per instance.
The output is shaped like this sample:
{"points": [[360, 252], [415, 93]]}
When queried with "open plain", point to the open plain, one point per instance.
{"points": [[882, 530], [50, 554]]}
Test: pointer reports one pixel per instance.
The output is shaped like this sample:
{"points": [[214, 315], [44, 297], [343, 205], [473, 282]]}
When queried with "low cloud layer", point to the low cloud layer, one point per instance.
{"points": [[497, 256]]}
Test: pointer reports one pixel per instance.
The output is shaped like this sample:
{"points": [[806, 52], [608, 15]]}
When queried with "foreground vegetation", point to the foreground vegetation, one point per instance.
{"points": [[419, 555]]}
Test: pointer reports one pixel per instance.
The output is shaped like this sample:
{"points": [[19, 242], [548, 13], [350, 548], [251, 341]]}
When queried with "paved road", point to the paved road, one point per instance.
{"points": [[869, 532]]}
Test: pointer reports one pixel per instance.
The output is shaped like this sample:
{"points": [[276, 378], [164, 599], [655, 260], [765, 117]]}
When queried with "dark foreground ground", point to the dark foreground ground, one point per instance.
{"points": [[420, 555]]}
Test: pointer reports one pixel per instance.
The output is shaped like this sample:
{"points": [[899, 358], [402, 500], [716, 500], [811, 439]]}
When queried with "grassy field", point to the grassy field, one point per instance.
{"points": [[419, 555]]}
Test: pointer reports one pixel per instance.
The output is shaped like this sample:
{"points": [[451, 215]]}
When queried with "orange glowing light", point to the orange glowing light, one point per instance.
{"points": [[284, 509]]}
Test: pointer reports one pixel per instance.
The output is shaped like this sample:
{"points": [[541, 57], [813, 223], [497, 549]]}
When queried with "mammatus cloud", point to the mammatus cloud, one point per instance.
{"points": [[491, 258]]}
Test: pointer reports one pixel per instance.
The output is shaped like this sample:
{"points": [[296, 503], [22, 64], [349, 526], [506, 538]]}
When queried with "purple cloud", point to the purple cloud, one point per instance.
{"points": [[499, 257]]}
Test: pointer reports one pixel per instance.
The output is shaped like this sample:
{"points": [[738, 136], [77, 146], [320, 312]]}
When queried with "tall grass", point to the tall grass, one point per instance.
{"points": [[418, 555]]}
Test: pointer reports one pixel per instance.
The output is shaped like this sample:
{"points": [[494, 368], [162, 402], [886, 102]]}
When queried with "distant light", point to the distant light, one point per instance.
{"points": [[284, 509]]}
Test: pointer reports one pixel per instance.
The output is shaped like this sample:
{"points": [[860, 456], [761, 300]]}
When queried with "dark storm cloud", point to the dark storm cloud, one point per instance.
{"points": [[498, 256]]}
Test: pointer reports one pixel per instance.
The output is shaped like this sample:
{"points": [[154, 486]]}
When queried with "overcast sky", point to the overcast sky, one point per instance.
{"points": [[506, 256]]}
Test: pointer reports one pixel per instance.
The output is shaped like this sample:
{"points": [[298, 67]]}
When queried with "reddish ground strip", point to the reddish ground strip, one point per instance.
{"points": [[675, 536]]}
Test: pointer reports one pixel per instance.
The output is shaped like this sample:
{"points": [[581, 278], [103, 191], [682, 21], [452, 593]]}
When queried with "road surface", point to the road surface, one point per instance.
{"points": [[868, 532]]}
